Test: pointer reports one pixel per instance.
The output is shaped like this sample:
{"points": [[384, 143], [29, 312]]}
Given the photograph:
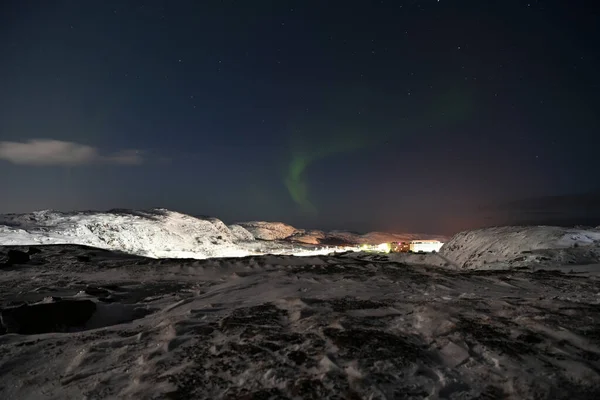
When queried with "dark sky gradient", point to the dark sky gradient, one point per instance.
{"points": [[417, 115]]}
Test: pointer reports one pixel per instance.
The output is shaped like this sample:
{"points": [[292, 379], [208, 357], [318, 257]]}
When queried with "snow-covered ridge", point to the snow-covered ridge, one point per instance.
{"points": [[510, 245], [154, 233], [161, 233]]}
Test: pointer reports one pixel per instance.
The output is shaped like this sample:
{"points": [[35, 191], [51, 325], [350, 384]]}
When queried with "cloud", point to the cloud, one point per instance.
{"points": [[125, 157], [47, 152]]}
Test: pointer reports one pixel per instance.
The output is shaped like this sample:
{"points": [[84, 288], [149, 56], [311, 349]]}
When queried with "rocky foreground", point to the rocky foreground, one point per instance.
{"points": [[79, 322]]}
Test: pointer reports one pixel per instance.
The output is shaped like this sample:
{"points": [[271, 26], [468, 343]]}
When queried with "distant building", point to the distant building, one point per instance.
{"points": [[400, 247], [425, 246], [416, 246]]}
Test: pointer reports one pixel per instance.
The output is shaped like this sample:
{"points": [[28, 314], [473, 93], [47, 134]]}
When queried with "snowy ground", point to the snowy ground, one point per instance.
{"points": [[349, 326]]}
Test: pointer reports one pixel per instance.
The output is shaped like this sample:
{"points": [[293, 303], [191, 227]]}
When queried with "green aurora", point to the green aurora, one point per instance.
{"points": [[317, 140]]}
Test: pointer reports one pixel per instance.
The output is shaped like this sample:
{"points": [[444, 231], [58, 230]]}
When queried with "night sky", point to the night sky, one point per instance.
{"points": [[417, 115]]}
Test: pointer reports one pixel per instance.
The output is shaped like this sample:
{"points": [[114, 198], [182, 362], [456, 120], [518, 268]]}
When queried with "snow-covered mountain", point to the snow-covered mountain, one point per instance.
{"points": [[157, 233]]}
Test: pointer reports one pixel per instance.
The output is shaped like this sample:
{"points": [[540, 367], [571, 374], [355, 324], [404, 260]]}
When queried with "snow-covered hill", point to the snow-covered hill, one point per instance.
{"points": [[279, 231], [502, 247], [263, 230], [384, 237], [160, 233], [154, 233]]}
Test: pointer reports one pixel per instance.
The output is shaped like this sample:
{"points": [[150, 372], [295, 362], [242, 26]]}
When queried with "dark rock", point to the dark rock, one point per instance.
{"points": [[112, 287], [299, 357], [253, 320], [262, 394], [107, 299], [531, 338], [53, 298], [15, 303], [16, 257], [83, 258], [376, 345], [57, 316], [33, 250], [96, 291], [309, 389]]}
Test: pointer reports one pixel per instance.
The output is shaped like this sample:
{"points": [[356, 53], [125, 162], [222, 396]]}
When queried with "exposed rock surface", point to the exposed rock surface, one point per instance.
{"points": [[14, 257], [54, 316]]}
